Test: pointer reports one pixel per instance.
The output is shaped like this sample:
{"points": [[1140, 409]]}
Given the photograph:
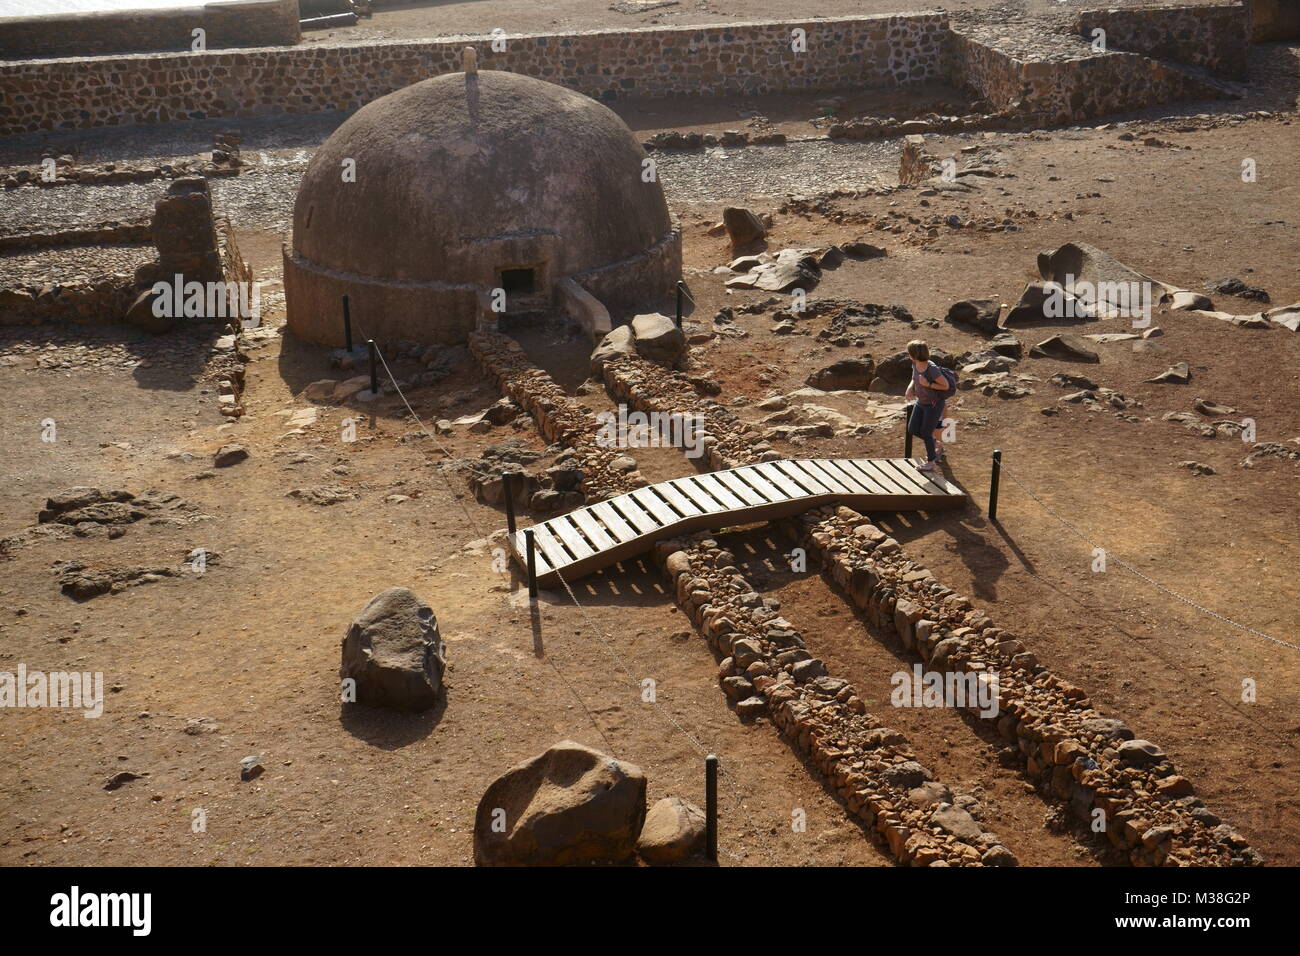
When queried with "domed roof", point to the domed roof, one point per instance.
{"points": [[458, 160]]}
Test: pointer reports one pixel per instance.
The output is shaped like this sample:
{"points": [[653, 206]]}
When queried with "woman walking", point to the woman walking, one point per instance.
{"points": [[930, 387]]}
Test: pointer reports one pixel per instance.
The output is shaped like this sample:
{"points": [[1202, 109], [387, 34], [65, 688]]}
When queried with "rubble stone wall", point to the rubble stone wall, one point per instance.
{"points": [[1069, 750], [1214, 36], [559, 417]]}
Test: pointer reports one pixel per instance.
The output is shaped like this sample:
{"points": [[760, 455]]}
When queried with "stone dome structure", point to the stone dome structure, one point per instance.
{"points": [[467, 184]]}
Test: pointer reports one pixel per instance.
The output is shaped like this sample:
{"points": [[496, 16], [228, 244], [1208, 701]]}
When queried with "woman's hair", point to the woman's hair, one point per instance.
{"points": [[918, 350]]}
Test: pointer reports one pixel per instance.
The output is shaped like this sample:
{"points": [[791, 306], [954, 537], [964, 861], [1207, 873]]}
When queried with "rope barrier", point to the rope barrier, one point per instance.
{"points": [[1134, 571]]}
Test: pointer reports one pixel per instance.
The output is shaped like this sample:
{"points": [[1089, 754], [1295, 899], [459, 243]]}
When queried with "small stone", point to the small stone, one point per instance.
{"points": [[228, 455]]}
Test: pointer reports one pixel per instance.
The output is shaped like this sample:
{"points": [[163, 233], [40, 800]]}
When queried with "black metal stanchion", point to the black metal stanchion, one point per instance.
{"points": [[532, 563], [711, 807], [679, 303], [347, 324], [993, 484], [508, 489], [374, 370], [907, 430]]}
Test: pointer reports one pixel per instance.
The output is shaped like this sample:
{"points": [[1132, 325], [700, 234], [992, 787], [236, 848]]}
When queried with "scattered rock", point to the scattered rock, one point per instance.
{"points": [[673, 832], [981, 314], [1236, 287], [394, 653], [228, 455], [120, 778], [1066, 348], [659, 339], [844, 374], [1178, 374], [743, 227], [250, 768], [570, 805]]}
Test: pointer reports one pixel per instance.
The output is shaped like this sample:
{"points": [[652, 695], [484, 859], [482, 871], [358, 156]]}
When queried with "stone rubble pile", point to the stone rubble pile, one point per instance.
{"points": [[560, 418], [767, 670], [1068, 749]]}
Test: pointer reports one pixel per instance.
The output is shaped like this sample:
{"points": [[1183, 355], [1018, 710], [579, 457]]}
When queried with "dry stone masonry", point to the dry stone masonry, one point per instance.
{"points": [[558, 416], [728, 441], [1069, 749], [767, 671]]}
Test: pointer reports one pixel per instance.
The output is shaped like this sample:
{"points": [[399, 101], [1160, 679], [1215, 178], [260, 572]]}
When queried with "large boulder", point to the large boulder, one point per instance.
{"points": [[570, 805], [846, 373], [619, 343], [394, 653], [659, 339], [743, 227], [1048, 302], [981, 314], [673, 832]]}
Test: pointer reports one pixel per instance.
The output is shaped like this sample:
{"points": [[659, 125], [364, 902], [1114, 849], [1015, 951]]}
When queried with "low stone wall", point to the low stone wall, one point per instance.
{"points": [[111, 231], [618, 284], [559, 417], [728, 441], [247, 23], [767, 671], [1213, 36], [1047, 84], [875, 51], [104, 298], [1069, 750]]}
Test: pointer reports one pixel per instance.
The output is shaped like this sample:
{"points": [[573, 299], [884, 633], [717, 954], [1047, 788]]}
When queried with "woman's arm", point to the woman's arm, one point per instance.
{"points": [[939, 384]]}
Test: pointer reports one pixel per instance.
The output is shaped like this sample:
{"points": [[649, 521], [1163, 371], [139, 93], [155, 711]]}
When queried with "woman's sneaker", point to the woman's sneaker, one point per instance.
{"points": [[927, 467]]}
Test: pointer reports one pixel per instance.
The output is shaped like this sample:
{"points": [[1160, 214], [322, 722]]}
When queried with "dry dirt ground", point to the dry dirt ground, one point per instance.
{"points": [[201, 670]]}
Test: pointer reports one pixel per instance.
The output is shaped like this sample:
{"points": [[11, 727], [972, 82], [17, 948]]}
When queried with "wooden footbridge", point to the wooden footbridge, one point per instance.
{"points": [[613, 530]]}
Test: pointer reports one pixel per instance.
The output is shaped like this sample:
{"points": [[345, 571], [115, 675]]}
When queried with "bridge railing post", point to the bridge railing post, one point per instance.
{"points": [[907, 429], [531, 548], [711, 807], [993, 484]]}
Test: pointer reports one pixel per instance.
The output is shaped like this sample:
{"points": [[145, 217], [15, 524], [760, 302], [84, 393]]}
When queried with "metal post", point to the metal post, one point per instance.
{"points": [[508, 489], [347, 323], [679, 303], [993, 484], [532, 563], [711, 806], [374, 370], [907, 429]]}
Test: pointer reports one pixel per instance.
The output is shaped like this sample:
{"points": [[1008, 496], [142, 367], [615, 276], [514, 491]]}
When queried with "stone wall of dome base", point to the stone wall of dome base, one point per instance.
{"points": [[381, 310], [446, 314], [639, 280]]}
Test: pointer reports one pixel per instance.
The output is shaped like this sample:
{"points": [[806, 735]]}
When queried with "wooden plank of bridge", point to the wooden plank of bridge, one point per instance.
{"points": [[594, 532], [706, 502], [716, 488], [614, 522]]}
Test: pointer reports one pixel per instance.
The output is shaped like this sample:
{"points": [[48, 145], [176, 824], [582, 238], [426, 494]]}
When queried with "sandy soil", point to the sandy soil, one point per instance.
{"points": [[252, 644]]}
